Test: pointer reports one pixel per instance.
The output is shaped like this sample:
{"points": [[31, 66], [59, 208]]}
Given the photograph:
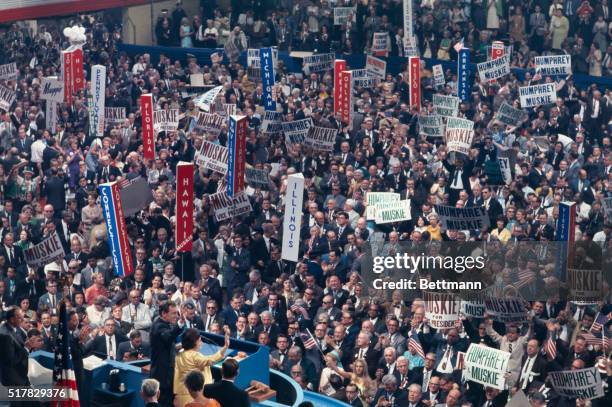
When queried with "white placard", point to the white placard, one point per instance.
{"points": [[292, 222]]}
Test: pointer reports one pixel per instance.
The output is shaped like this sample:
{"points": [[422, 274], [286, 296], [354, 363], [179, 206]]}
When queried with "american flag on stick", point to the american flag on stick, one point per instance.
{"points": [[550, 347], [63, 369], [307, 339], [598, 324], [415, 344]]}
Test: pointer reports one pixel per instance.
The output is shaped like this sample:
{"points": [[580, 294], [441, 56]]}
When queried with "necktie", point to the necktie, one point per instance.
{"points": [[360, 356], [510, 347], [52, 300], [111, 353]]}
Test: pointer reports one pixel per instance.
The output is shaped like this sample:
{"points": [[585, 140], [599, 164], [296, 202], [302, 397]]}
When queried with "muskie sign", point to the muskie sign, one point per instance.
{"points": [[45, 252]]}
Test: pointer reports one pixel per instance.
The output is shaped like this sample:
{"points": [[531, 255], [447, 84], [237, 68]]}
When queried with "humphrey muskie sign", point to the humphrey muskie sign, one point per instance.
{"points": [[583, 384], [473, 218], [45, 252], [487, 366]]}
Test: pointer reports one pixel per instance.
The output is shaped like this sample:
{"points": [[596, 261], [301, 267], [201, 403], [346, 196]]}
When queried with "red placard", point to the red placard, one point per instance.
{"points": [[148, 134], [339, 66], [68, 75], [184, 207], [345, 105], [78, 81], [497, 50], [415, 82], [122, 235], [240, 158]]}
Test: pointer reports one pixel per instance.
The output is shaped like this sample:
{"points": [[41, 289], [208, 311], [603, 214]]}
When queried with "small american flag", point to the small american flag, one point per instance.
{"points": [[594, 340], [600, 321], [458, 46], [415, 344], [550, 347], [63, 370], [307, 339]]}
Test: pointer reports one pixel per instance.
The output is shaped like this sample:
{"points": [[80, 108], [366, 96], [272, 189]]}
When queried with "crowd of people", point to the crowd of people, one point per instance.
{"points": [[234, 282], [581, 29]]}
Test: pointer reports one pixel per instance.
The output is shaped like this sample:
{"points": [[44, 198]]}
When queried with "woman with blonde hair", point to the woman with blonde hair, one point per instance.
{"points": [[190, 359], [359, 376]]}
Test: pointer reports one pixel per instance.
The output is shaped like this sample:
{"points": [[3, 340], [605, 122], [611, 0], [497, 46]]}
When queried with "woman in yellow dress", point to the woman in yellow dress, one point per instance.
{"points": [[190, 359]]}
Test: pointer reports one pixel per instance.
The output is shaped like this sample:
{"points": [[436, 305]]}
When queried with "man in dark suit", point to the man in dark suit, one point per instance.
{"points": [[133, 349], [536, 175], [209, 286], [10, 213], [395, 180], [352, 395], [533, 366], [492, 205], [262, 247], [163, 335], [15, 349], [106, 346], [308, 367], [209, 317], [13, 256], [239, 260], [64, 228], [459, 177], [364, 350], [53, 189], [276, 266], [31, 287], [280, 356], [225, 391], [107, 172]]}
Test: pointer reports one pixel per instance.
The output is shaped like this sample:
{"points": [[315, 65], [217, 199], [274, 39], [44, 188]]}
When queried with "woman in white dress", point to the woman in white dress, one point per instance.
{"points": [[492, 16]]}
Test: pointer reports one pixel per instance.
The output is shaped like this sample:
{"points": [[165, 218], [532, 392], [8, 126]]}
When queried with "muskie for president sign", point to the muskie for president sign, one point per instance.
{"points": [[166, 120], [114, 115], [212, 157], [585, 286], [538, 95], [441, 309], [487, 366], [45, 252], [8, 71], [209, 122], [374, 198], [459, 135], [507, 309], [7, 98], [472, 218], [321, 138], [226, 208]]}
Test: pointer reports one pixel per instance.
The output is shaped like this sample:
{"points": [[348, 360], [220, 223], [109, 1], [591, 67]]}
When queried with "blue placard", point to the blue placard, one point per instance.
{"points": [[463, 75], [231, 156], [267, 77], [110, 218]]}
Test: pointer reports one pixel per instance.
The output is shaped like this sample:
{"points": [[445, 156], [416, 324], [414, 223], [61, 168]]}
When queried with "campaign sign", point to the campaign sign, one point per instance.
{"points": [[487, 366]]}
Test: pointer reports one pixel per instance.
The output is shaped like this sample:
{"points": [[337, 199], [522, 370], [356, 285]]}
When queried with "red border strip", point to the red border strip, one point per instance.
{"points": [[59, 9]]}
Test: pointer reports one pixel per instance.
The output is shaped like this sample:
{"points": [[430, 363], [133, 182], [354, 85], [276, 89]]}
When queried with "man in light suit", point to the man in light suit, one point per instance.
{"points": [[51, 298], [137, 313]]}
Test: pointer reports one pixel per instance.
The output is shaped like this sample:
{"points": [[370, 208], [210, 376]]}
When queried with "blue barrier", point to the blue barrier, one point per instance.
{"points": [[395, 64]]}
